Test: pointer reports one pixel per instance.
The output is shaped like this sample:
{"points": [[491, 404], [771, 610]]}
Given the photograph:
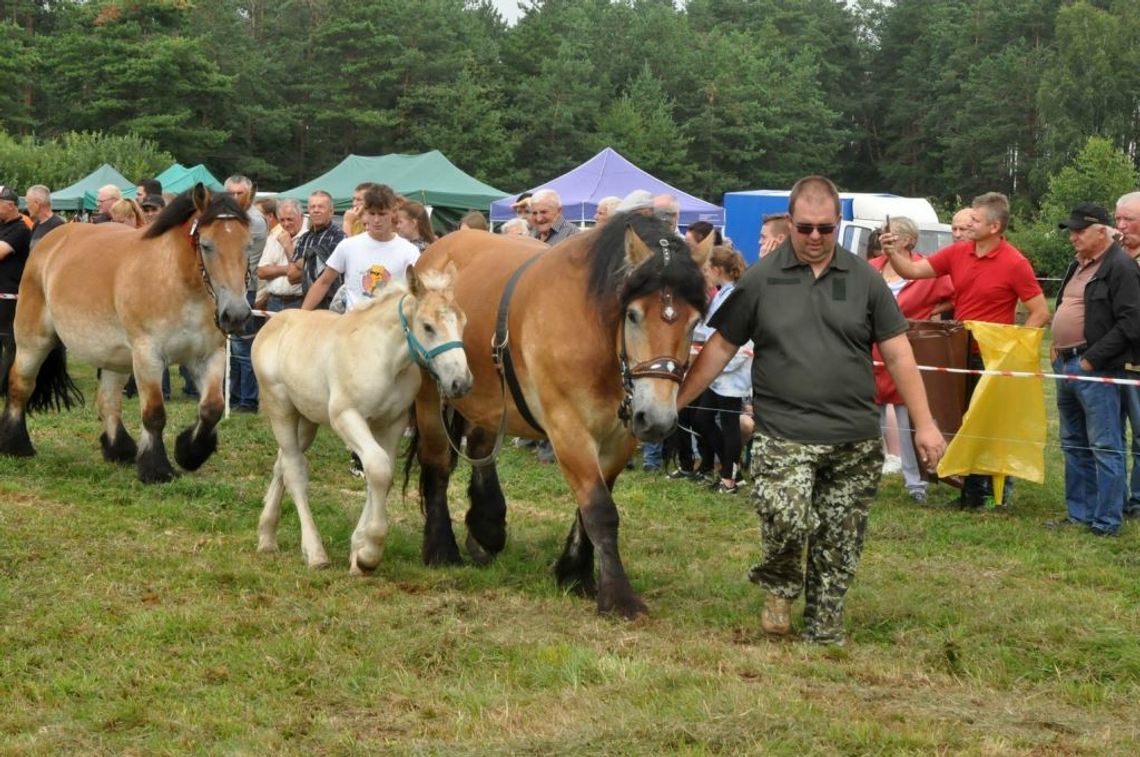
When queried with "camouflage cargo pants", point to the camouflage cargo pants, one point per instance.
{"points": [[813, 496]]}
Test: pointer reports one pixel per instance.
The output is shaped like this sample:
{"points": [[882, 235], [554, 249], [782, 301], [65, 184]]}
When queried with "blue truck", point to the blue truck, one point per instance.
{"points": [[860, 213]]}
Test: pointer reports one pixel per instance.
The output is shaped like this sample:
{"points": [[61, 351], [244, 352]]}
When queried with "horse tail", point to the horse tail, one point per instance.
{"points": [[54, 388]]}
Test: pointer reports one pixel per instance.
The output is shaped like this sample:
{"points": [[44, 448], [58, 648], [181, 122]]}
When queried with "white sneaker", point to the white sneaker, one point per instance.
{"points": [[892, 464]]}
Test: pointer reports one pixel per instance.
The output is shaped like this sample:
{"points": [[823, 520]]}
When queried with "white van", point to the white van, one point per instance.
{"points": [[870, 211]]}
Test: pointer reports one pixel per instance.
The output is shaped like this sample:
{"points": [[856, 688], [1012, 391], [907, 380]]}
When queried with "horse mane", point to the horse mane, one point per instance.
{"points": [[181, 209], [607, 281], [391, 290]]}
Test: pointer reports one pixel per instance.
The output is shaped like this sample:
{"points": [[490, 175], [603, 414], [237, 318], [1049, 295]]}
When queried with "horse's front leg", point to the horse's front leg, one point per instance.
{"points": [[152, 464], [434, 452], [591, 477], [487, 518], [198, 441], [376, 459], [118, 446], [294, 434]]}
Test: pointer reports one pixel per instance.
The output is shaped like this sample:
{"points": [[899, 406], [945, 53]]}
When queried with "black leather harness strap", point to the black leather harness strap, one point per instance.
{"points": [[501, 348]]}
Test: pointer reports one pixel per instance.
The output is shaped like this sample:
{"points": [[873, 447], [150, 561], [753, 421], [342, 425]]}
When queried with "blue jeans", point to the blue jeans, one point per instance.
{"points": [[1092, 438], [976, 488], [652, 455], [277, 304], [1130, 405], [243, 381]]}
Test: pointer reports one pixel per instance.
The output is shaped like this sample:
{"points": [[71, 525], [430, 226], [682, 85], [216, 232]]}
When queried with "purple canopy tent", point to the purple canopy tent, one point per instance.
{"points": [[608, 173]]}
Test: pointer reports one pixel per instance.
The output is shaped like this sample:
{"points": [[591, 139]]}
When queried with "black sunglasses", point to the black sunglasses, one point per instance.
{"points": [[807, 228]]}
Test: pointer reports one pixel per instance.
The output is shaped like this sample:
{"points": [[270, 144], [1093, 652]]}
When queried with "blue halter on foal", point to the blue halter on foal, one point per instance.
{"points": [[421, 355]]}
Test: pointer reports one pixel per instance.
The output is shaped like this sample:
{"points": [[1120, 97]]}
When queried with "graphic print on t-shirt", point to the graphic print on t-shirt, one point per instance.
{"points": [[374, 278]]}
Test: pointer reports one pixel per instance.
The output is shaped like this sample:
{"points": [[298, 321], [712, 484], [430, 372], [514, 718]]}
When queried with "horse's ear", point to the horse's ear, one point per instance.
{"points": [[636, 251], [415, 286], [703, 250], [452, 273], [201, 197]]}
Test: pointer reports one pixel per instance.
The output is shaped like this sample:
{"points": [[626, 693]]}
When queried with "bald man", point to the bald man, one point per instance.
{"points": [[546, 218], [960, 224]]}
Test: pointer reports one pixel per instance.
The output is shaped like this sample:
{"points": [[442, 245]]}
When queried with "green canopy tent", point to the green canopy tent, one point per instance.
{"points": [[73, 197], [429, 178], [170, 174], [178, 178]]}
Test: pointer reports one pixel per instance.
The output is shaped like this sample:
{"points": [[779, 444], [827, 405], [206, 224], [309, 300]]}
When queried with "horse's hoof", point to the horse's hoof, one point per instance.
{"points": [[583, 589], [364, 561], [191, 452], [266, 546], [576, 577], [157, 475], [123, 450], [440, 558], [15, 451], [478, 554], [628, 605], [14, 439]]}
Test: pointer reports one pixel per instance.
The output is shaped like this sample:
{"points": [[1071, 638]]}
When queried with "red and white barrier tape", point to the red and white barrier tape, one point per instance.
{"points": [[931, 368]]}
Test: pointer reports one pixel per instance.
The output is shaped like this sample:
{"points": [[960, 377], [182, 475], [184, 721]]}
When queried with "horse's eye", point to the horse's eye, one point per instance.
{"points": [[633, 316], [429, 329]]}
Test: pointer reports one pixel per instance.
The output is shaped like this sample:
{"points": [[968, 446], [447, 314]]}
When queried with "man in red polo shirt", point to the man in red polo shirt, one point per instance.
{"points": [[990, 277]]}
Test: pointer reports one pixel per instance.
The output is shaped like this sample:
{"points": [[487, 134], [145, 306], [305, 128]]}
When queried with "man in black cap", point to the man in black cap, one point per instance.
{"points": [[151, 206], [15, 238], [1095, 329]]}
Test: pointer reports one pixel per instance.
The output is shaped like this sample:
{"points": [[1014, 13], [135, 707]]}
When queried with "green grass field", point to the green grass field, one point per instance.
{"points": [[141, 620]]}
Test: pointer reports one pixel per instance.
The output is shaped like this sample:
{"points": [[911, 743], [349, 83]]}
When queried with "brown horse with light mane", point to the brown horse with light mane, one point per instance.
{"points": [[598, 330], [132, 300]]}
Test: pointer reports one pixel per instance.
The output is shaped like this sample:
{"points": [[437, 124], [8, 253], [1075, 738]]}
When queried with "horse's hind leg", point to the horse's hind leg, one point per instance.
{"points": [[271, 507], [487, 517], [118, 446], [21, 382], [439, 546], [34, 342], [574, 570], [198, 442]]}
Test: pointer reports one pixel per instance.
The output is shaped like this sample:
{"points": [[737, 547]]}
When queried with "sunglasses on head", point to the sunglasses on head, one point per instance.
{"points": [[807, 228]]}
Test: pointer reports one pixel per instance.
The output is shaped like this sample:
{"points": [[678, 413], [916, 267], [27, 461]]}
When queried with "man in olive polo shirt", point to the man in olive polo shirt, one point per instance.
{"points": [[813, 311]]}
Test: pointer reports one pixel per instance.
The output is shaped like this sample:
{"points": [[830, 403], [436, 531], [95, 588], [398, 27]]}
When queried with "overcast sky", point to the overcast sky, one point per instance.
{"points": [[508, 9]]}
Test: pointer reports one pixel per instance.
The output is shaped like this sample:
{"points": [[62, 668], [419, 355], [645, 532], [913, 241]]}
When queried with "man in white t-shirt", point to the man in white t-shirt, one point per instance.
{"points": [[368, 261]]}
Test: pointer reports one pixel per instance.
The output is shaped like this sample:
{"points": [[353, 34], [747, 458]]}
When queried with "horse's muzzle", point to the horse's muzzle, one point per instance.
{"points": [[457, 387], [233, 316], [653, 425]]}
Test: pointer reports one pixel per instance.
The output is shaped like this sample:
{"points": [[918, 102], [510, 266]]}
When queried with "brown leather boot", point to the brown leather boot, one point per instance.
{"points": [[776, 619]]}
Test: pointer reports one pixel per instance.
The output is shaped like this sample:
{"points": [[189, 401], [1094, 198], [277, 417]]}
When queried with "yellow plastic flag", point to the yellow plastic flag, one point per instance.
{"points": [[1003, 431]]}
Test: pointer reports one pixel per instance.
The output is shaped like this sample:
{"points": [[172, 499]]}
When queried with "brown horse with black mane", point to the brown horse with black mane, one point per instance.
{"points": [[597, 331], [128, 300]]}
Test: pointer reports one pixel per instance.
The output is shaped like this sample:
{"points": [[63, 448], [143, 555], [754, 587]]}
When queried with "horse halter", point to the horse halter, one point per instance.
{"points": [[419, 353], [661, 367], [195, 242]]}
